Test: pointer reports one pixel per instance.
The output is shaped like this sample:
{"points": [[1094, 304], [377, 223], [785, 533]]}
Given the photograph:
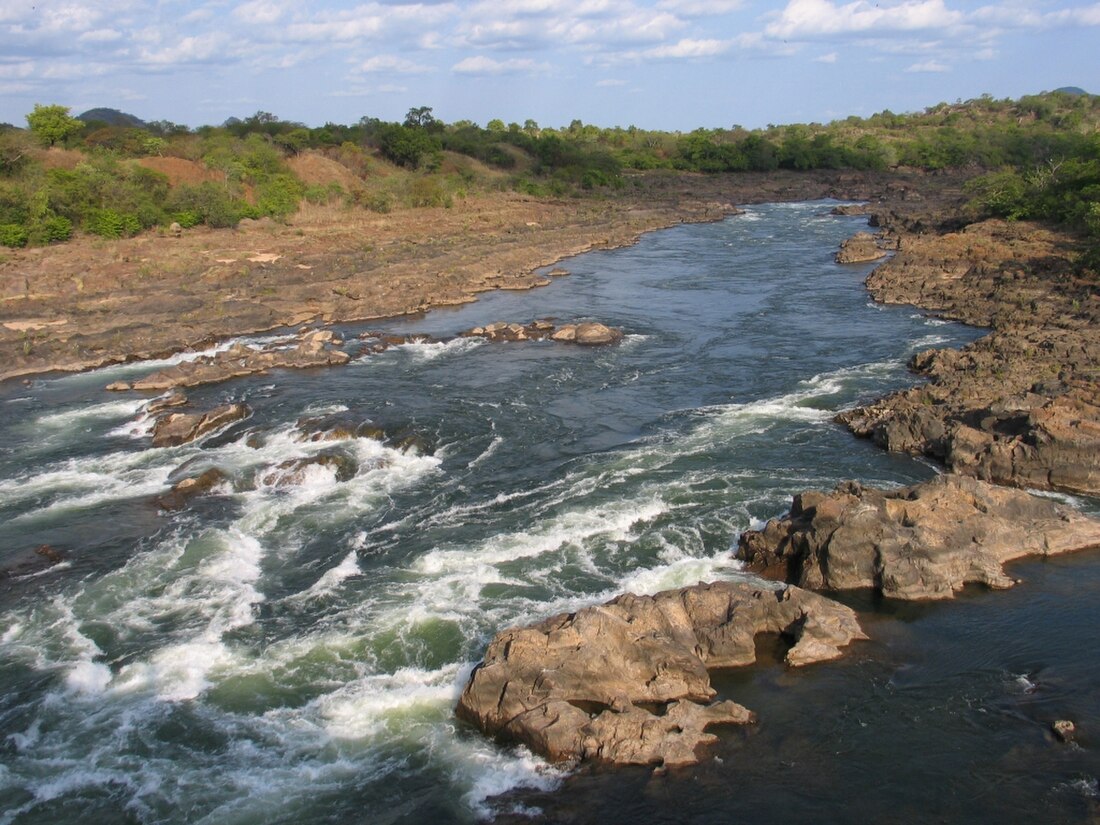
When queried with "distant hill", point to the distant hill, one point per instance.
{"points": [[112, 117], [1071, 90]]}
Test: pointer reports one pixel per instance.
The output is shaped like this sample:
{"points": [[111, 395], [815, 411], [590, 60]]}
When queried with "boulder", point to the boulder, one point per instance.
{"points": [[926, 541], [186, 489], [566, 333], [180, 428], [336, 427], [293, 471], [592, 334], [173, 398], [626, 682], [859, 248]]}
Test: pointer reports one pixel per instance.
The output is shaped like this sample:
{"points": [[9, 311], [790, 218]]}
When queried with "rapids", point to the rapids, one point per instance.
{"points": [[292, 653]]}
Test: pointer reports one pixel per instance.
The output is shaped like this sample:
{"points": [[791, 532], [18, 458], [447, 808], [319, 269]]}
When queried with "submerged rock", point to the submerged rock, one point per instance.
{"points": [[42, 558], [626, 682], [1064, 729], [921, 542], [180, 428], [294, 471], [310, 350]]}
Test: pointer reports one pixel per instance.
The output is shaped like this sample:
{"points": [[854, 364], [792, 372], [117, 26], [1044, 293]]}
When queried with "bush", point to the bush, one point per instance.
{"points": [[211, 202], [428, 191], [12, 234], [107, 223], [51, 229], [318, 194], [187, 218], [278, 196]]}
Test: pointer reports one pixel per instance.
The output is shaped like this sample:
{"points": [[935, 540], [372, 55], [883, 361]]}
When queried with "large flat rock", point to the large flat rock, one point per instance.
{"points": [[626, 682], [926, 541]]}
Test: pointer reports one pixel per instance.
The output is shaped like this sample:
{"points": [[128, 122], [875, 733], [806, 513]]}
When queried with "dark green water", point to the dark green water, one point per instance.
{"points": [[283, 655]]}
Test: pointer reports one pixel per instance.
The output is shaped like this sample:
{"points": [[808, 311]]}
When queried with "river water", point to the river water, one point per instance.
{"points": [[284, 654]]}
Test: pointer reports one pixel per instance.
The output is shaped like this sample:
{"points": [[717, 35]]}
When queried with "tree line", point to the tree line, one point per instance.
{"points": [[1041, 156]]}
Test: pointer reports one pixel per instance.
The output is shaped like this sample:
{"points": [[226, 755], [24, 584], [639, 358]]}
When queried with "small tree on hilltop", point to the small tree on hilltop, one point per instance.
{"points": [[52, 123]]}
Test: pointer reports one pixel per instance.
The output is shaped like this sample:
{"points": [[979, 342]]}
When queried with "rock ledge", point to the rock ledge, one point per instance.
{"points": [[626, 682], [921, 542]]}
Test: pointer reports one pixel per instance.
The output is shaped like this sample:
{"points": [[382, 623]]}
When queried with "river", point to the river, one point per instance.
{"points": [[292, 653]]}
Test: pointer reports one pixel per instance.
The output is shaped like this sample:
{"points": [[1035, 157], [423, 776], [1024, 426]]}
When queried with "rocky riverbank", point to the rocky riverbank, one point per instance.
{"points": [[1021, 406], [91, 302]]}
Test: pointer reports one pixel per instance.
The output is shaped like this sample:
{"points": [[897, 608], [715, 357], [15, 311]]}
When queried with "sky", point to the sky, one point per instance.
{"points": [[656, 64]]}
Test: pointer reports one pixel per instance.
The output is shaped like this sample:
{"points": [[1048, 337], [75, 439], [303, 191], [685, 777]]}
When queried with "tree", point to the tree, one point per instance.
{"points": [[406, 146], [52, 123], [421, 117]]}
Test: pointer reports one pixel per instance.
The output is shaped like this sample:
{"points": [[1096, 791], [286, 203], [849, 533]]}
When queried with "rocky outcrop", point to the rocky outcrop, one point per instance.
{"points": [[592, 335], [1044, 440], [1021, 406], [860, 248], [626, 682], [188, 488], [921, 542], [310, 350], [293, 472], [180, 428], [587, 333], [336, 427], [850, 209]]}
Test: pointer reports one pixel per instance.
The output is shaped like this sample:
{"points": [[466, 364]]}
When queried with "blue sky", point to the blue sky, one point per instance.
{"points": [[658, 64]]}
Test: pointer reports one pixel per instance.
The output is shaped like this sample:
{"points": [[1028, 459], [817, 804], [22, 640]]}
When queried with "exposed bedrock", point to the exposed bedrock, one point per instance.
{"points": [[1021, 406], [174, 429], [921, 542], [861, 247], [626, 682]]}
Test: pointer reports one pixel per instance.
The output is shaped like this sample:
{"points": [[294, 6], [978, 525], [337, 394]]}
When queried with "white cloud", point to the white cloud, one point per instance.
{"points": [[100, 36], [701, 8], [369, 22], [73, 71], [826, 58], [609, 83], [17, 70], [932, 66], [260, 11], [203, 48], [814, 18], [481, 65], [392, 63], [689, 48]]}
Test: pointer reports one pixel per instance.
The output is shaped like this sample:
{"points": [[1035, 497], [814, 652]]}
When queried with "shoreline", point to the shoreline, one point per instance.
{"points": [[90, 304]]}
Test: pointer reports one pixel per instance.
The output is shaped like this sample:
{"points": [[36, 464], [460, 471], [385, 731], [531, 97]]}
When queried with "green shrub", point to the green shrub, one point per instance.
{"points": [[318, 194], [187, 218], [51, 229], [12, 234], [107, 223], [213, 205], [278, 196]]}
